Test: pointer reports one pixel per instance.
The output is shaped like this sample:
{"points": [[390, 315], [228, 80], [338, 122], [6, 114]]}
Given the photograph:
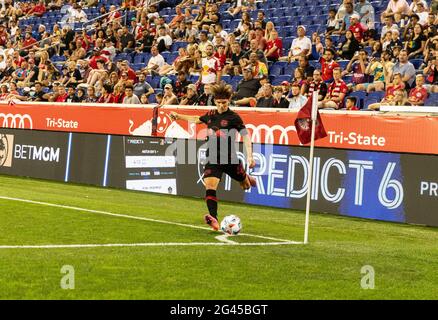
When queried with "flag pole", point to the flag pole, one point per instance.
{"points": [[309, 177]]}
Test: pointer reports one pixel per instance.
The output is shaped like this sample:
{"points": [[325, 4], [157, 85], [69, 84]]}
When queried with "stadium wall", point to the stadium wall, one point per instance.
{"points": [[389, 186]]}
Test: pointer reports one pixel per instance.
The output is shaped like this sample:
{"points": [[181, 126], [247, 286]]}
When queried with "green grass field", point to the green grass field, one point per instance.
{"points": [[405, 258]]}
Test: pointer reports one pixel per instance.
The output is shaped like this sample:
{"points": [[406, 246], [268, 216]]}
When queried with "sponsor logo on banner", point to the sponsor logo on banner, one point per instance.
{"points": [[20, 121], [6, 147], [36, 153]]}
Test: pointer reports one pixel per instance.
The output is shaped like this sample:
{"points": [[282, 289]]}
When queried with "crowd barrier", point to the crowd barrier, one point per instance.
{"points": [[388, 174]]}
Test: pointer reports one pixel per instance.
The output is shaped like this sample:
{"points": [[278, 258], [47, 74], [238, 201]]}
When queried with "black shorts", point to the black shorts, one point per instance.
{"points": [[235, 171]]}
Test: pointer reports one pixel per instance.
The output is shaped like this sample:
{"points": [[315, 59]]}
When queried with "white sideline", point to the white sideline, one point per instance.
{"points": [[224, 240], [151, 244]]}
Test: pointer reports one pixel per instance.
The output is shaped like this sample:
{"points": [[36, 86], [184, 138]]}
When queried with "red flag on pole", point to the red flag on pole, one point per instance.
{"points": [[303, 123]]}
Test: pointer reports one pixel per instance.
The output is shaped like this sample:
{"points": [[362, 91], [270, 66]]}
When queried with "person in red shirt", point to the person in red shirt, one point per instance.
{"points": [[97, 56], [328, 64], [62, 94], [28, 42], [418, 95], [220, 55], [106, 94], [124, 67], [38, 10], [357, 28], [274, 47], [351, 104], [336, 92]]}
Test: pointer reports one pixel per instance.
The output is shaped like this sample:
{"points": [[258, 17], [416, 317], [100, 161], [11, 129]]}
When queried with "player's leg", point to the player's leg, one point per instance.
{"points": [[212, 177], [237, 172]]}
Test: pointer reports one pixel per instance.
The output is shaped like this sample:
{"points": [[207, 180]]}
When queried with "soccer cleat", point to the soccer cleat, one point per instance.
{"points": [[212, 222]]}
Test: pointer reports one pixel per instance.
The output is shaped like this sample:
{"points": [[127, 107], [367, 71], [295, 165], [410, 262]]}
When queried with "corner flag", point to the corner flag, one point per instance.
{"points": [[303, 122]]}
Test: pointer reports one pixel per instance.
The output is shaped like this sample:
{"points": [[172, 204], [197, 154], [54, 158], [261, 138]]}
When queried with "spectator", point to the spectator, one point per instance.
{"points": [[332, 23], [431, 74], [247, 89], [232, 65], [190, 98], [346, 21], [396, 9], [106, 95], [389, 26], [266, 100], [179, 16], [391, 89], [169, 98], [358, 65], [254, 48], [301, 46], [418, 95], [405, 68], [130, 97], [155, 62], [350, 104], [416, 43], [357, 28], [164, 41], [259, 69], [127, 41], [279, 99], [376, 69], [349, 47], [142, 87], [211, 68], [297, 99], [91, 95], [61, 95], [274, 47], [71, 94], [367, 13], [181, 84], [317, 84], [336, 92], [206, 98], [400, 99], [300, 79], [328, 64]]}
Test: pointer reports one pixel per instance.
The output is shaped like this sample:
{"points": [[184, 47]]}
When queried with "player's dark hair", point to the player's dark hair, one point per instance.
{"points": [[352, 99], [222, 91]]}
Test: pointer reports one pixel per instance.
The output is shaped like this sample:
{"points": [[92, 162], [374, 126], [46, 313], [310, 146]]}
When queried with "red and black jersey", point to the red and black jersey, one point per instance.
{"points": [[222, 134]]}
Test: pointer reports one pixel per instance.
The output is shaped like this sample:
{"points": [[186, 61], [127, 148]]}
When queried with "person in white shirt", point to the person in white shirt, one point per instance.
{"points": [[297, 100], [164, 41], [389, 26], [210, 67], [301, 46], [155, 62]]}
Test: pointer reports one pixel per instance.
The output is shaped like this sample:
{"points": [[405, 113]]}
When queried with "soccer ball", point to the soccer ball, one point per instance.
{"points": [[231, 225]]}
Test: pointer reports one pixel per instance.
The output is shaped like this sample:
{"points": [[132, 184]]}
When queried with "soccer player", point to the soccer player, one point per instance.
{"points": [[223, 125]]}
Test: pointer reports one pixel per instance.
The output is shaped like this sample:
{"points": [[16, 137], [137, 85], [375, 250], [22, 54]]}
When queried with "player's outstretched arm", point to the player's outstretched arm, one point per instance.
{"points": [[176, 116]]}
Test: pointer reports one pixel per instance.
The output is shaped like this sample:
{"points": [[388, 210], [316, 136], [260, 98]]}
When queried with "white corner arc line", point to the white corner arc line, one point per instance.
{"points": [[152, 244], [119, 215], [224, 238]]}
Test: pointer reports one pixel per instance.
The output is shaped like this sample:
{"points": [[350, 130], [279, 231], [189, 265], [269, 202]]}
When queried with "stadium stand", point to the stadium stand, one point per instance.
{"points": [[94, 43]]}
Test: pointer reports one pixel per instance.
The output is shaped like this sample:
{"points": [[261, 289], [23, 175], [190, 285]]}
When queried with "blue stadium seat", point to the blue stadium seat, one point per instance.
{"points": [[278, 80], [360, 96], [276, 70], [417, 63], [343, 63], [376, 95], [432, 100]]}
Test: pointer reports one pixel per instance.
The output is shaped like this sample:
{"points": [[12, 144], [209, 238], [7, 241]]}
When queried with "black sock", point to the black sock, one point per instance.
{"points": [[210, 198]]}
